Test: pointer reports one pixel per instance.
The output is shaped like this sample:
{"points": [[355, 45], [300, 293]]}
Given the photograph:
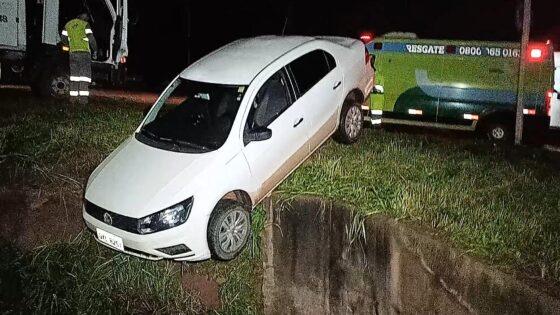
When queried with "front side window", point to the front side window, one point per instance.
{"points": [[192, 116], [270, 102], [309, 69]]}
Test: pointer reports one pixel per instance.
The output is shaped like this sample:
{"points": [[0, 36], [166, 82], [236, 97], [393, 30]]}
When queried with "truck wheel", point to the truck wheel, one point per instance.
{"points": [[351, 123], [499, 132], [52, 83], [229, 229]]}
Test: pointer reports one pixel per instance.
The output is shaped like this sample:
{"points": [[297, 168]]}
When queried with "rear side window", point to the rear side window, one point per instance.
{"points": [[309, 69]]}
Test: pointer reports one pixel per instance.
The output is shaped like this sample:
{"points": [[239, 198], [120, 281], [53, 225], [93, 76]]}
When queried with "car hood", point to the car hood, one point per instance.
{"points": [[137, 180]]}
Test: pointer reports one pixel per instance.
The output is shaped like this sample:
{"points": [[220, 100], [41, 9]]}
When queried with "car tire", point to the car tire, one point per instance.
{"points": [[351, 123], [499, 132], [229, 230]]}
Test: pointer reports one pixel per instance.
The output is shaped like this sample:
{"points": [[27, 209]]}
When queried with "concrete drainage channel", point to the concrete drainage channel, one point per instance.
{"points": [[320, 258]]}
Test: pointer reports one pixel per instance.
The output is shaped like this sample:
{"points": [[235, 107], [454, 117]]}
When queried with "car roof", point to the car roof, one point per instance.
{"points": [[238, 63]]}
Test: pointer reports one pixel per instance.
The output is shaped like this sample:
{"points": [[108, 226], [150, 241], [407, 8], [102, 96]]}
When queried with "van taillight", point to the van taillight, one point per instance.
{"points": [[366, 37], [548, 101], [537, 52]]}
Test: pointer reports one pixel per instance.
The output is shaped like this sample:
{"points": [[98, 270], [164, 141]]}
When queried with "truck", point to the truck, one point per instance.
{"points": [[463, 85], [30, 46]]}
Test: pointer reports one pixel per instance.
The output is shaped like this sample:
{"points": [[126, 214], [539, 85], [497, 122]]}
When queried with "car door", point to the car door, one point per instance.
{"points": [[319, 84], [273, 107]]}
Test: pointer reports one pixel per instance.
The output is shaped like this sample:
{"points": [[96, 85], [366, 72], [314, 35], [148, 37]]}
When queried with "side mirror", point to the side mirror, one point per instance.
{"points": [[259, 134]]}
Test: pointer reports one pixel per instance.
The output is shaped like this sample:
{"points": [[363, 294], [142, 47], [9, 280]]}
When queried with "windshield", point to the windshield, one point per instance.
{"points": [[192, 116]]}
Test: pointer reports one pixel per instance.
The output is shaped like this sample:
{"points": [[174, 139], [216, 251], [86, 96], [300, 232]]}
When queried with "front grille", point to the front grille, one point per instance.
{"points": [[119, 221]]}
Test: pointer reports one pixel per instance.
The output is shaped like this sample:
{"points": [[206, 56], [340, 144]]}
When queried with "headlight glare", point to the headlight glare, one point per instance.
{"points": [[166, 219]]}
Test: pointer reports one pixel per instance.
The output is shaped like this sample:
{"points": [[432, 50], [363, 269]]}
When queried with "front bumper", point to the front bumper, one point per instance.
{"points": [[146, 246]]}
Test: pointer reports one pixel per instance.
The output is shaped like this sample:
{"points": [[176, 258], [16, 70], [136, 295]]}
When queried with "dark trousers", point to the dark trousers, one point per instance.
{"points": [[80, 75]]}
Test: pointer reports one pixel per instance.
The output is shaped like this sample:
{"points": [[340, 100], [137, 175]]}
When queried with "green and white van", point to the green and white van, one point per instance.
{"points": [[465, 85]]}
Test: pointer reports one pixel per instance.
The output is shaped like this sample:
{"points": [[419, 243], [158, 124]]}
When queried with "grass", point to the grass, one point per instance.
{"points": [[53, 146], [82, 276], [498, 204]]}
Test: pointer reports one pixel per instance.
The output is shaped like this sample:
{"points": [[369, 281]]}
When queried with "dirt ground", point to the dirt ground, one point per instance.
{"points": [[32, 217]]}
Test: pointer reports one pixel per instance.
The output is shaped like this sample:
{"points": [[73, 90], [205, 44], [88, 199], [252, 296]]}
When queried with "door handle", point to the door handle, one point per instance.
{"points": [[337, 85], [298, 122]]}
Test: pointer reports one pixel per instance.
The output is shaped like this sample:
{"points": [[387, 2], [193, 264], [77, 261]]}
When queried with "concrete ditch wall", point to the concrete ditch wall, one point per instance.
{"points": [[317, 261]]}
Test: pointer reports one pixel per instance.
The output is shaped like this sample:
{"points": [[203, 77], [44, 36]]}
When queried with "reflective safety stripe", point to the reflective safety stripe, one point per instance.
{"points": [[74, 93], [86, 39], [365, 107], [80, 79], [376, 121], [89, 31], [84, 93], [376, 112], [415, 111], [64, 33]]}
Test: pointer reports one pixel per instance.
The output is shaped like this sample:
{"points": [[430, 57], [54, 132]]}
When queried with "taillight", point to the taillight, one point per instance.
{"points": [[537, 52], [366, 37], [548, 101]]}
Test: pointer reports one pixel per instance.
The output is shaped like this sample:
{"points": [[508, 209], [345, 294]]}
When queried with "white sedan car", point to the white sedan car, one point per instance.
{"points": [[219, 139]]}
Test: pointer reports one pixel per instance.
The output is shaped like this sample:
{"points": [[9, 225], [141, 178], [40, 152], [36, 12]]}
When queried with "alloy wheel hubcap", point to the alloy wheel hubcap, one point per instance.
{"points": [[353, 123], [233, 231], [498, 133]]}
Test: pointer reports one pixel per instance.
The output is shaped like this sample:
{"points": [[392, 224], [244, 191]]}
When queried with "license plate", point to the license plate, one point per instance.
{"points": [[110, 239]]}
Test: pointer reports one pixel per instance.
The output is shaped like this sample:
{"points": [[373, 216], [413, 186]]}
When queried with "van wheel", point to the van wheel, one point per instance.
{"points": [[229, 229], [499, 132], [351, 123]]}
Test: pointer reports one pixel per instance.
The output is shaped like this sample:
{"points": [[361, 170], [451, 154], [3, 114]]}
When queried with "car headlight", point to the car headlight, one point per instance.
{"points": [[166, 218]]}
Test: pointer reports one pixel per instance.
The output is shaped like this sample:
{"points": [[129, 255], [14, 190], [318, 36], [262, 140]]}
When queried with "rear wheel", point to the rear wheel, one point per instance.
{"points": [[52, 83], [499, 132], [351, 123], [229, 229]]}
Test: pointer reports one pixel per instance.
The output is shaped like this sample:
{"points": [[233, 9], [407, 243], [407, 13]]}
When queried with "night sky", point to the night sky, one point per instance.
{"points": [[165, 38]]}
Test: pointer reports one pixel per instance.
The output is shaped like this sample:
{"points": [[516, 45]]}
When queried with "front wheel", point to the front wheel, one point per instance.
{"points": [[351, 123], [229, 230]]}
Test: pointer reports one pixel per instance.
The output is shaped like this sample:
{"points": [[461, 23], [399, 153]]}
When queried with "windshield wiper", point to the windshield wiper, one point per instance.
{"points": [[176, 142], [191, 144], [149, 133]]}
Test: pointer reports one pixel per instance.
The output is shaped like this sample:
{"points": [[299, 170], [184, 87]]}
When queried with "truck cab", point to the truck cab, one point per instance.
{"points": [[30, 49]]}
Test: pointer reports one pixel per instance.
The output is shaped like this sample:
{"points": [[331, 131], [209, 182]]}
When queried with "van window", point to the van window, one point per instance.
{"points": [[309, 69]]}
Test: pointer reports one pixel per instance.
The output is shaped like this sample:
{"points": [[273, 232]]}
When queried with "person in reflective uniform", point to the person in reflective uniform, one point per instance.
{"points": [[78, 36]]}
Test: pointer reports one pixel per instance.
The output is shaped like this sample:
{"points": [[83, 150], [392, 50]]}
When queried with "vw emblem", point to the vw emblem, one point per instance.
{"points": [[107, 218]]}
